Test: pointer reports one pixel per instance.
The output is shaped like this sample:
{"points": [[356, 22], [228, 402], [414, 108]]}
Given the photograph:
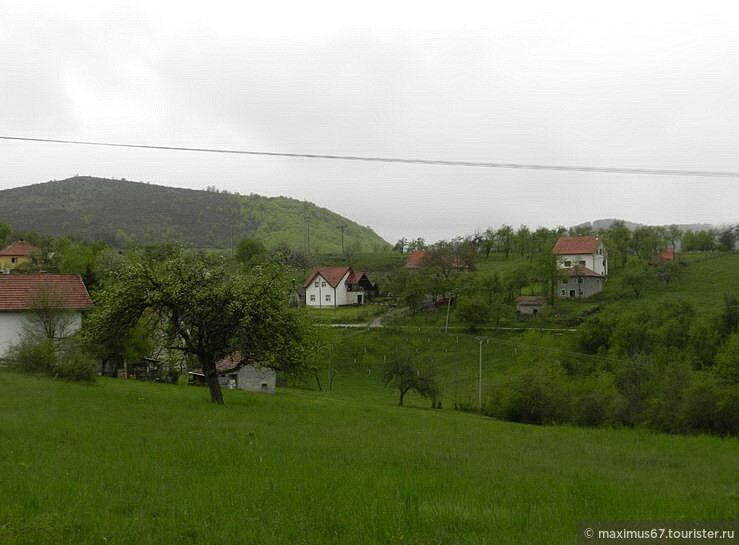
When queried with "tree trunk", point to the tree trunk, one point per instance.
{"points": [[211, 379]]}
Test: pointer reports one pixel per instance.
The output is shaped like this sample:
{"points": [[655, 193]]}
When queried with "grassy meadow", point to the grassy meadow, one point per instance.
{"points": [[128, 462]]}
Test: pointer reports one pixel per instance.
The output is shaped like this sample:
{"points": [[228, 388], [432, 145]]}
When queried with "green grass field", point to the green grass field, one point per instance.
{"points": [[126, 462]]}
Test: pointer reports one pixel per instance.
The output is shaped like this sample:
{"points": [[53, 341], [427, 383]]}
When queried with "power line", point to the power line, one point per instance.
{"points": [[434, 162]]}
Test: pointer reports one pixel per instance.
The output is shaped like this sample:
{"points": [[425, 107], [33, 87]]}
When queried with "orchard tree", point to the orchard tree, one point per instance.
{"points": [[401, 373], [202, 310]]}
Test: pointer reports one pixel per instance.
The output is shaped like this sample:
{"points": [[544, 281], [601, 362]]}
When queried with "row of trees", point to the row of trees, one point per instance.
{"points": [[642, 241]]}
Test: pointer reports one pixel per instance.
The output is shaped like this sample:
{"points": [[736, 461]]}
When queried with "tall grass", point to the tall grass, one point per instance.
{"points": [[128, 462]]}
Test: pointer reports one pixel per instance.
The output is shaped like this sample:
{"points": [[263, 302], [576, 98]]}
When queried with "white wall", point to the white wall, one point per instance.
{"points": [[12, 325], [595, 262], [337, 296]]}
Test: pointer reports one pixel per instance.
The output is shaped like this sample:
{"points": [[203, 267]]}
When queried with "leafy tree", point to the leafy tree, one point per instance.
{"points": [[5, 231], [250, 252], [547, 268], [402, 373], [202, 310], [727, 237], [473, 312], [635, 278], [504, 238], [702, 241], [618, 240]]}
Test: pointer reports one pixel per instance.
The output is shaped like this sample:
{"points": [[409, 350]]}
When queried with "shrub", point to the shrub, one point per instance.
{"points": [[32, 356], [535, 395], [596, 401], [75, 364]]}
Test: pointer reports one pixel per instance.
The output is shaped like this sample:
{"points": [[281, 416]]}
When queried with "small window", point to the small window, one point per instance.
{"points": [[328, 297], [323, 284], [568, 263], [316, 284], [579, 280], [312, 298], [563, 292], [14, 260], [581, 262]]}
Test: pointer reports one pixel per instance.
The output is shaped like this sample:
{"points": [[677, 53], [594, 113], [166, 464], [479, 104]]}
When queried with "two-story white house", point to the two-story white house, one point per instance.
{"points": [[585, 261], [331, 287]]}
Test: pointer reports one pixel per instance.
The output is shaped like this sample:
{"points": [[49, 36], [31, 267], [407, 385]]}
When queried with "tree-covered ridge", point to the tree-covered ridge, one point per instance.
{"points": [[122, 212]]}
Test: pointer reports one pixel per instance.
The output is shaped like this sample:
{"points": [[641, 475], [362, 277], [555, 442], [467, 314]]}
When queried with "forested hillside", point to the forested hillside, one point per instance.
{"points": [[121, 212]]}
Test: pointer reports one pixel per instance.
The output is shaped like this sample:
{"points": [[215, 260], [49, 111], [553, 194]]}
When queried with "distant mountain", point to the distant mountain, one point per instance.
{"points": [[599, 225], [122, 212]]}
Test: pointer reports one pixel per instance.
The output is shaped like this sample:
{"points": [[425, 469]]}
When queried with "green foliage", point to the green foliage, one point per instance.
{"points": [[402, 373], [75, 363], [32, 355], [250, 252], [473, 312], [126, 213], [201, 309], [66, 360]]}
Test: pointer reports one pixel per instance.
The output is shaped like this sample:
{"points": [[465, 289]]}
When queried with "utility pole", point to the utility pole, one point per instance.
{"points": [[341, 229], [448, 306], [479, 382]]}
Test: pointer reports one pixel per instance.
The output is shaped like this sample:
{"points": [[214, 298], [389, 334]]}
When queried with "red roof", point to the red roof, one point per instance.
{"points": [[332, 275], [20, 248], [415, 259], [576, 245], [355, 277], [532, 300], [18, 290], [229, 363], [579, 270]]}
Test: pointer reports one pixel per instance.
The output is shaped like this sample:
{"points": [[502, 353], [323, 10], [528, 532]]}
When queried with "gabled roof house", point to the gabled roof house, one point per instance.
{"points": [[331, 287], [17, 254], [20, 294], [585, 261]]}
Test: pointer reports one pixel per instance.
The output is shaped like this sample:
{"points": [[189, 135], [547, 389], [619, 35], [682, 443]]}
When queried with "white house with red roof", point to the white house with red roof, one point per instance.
{"points": [[23, 295], [585, 262], [331, 287]]}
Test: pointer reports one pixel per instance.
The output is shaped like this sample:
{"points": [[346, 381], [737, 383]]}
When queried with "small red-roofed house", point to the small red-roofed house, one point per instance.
{"points": [[17, 254], [415, 260], [665, 256], [331, 287], [24, 298]]}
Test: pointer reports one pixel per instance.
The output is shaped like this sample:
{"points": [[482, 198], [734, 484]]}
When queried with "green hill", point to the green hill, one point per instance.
{"points": [[128, 462], [121, 212]]}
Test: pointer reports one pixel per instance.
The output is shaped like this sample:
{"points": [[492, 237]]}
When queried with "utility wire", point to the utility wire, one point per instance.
{"points": [[435, 162]]}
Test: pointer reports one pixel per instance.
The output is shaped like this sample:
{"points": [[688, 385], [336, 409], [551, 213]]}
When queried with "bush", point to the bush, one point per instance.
{"points": [[75, 364], [32, 356], [596, 401], [535, 395], [67, 360]]}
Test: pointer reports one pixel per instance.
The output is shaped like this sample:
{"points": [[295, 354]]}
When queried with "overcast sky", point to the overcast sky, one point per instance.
{"points": [[624, 84]]}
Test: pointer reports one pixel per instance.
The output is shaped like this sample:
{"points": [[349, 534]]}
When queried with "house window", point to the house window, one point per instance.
{"points": [[568, 263], [323, 284], [581, 262], [312, 298], [14, 260], [316, 284], [563, 292], [579, 280], [328, 297]]}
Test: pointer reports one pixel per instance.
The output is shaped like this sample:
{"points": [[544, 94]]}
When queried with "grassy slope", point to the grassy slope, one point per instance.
{"points": [[120, 211], [124, 462]]}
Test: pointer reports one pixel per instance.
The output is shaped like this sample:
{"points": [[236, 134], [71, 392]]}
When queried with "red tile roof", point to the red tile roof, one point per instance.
{"points": [[20, 248], [355, 277], [229, 363], [18, 290], [531, 300], [579, 270], [576, 245], [415, 259], [332, 275]]}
